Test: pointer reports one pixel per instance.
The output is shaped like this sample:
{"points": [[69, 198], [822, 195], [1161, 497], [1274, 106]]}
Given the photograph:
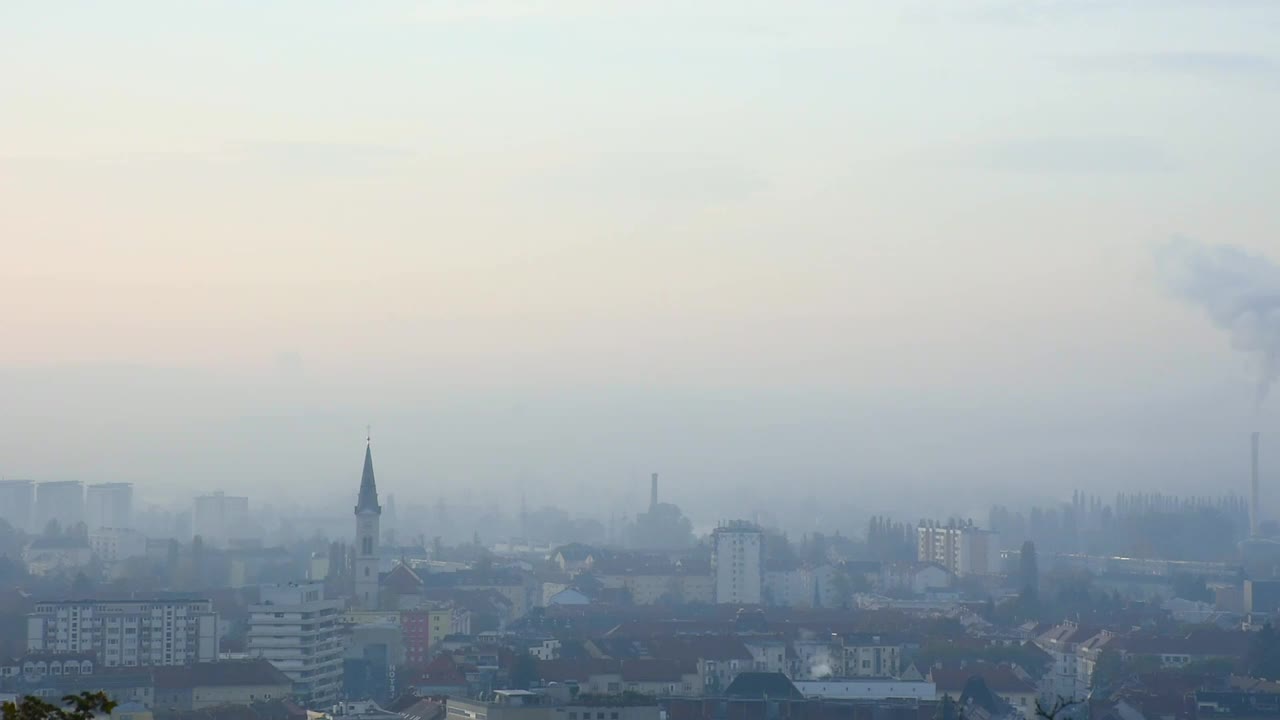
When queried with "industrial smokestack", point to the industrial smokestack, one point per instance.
{"points": [[653, 491], [1253, 490]]}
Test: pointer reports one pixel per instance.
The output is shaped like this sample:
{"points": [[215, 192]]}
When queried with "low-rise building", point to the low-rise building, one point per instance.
{"points": [[203, 685], [867, 689]]}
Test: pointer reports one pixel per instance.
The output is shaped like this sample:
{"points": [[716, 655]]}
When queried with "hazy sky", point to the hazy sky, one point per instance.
{"points": [[865, 248]]}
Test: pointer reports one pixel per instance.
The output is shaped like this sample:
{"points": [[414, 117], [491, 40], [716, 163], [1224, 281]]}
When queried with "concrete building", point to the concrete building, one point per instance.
{"points": [[872, 656], [127, 633], [47, 555], [232, 682], [737, 559], [1262, 596], [17, 500], [525, 705], [960, 549], [109, 505], [368, 516], [218, 518], [297, 631], [62, 501], [112, 545], [867, 689]]}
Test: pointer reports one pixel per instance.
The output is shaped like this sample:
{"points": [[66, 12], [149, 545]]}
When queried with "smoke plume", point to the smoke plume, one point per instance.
{"points": [[1240, 292]]}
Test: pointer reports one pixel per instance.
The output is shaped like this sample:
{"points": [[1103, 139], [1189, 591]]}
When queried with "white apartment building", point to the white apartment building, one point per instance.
{"points": [[109, 505], [128, 633], [737, 560], [112, 544], [297, 631], [961, 549]]}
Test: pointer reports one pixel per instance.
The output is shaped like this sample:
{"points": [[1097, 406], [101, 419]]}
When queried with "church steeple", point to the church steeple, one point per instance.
{"points": [[368, 499], [368, 519]]}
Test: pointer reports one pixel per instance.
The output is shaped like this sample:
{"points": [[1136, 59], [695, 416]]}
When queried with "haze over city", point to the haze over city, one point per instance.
{"points": [[880, 250]]}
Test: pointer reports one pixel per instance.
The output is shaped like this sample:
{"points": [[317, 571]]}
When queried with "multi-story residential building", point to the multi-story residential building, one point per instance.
{"points": [[298, 631], [1067, 676], [737, 558], [872, 656], [127, 633], [219, 517], [113, 544], [960, 549], [62, 501], [17, 497], [109, 505]]}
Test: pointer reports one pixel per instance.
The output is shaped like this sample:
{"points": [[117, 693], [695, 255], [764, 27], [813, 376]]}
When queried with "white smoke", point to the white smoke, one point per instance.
{"points": [[1241, 293], [820, 665]]}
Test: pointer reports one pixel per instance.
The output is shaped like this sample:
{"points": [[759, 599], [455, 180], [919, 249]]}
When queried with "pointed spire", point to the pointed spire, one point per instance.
{"points": [[368, 500]]}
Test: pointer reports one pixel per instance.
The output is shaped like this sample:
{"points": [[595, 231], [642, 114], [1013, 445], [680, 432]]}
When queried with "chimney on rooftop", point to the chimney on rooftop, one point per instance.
{"points": [[653, 491]]}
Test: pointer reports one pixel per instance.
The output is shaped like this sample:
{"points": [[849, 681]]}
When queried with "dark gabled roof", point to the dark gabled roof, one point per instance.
{"points": [[758, 685], [223, 673], [977, 693], [656, 670], [368, 500], [999, 678]]}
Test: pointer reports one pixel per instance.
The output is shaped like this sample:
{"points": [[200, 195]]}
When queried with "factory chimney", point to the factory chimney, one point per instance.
{"points": [[653, 491], [1253, 490]]}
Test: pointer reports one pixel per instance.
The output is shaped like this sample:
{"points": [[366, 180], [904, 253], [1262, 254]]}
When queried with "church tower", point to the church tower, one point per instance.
{"points": [[368, 515]]}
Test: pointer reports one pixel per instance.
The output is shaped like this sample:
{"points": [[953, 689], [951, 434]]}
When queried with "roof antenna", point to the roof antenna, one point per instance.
{"points": [[368, 434]]}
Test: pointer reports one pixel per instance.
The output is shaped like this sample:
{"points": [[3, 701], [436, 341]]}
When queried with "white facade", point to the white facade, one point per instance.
{"points": [[133, 633], [737, 557], [297, 631], [218, 517], [867, 689], [109, 505], [17, 500], [62, 501], [116, 544]]}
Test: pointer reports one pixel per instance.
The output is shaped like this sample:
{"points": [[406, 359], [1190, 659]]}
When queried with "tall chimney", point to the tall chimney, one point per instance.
{"points": [[1253, 490], [653, 491]]}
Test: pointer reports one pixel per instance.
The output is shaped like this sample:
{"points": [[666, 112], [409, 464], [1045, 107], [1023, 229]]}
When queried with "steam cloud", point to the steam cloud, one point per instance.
{"points": [[1239, 290]]}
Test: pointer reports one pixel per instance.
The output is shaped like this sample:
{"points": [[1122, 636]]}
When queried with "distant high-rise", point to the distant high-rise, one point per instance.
{"points": [[368, 517], [62, 501], [16, 500], [218, 517], [110, 505], [737, 559], [961, 549]]}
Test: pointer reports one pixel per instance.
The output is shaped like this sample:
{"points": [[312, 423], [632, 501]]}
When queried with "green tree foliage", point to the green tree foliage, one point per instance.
{"points": [[1108, 670], [84, 706], [1263, 658], [1191, 587], [524, 671], [1029, 567], [887, 540]]}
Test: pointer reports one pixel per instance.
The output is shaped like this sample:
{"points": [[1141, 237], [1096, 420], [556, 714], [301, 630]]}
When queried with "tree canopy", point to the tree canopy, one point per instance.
{"points": [[84, 706]]}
